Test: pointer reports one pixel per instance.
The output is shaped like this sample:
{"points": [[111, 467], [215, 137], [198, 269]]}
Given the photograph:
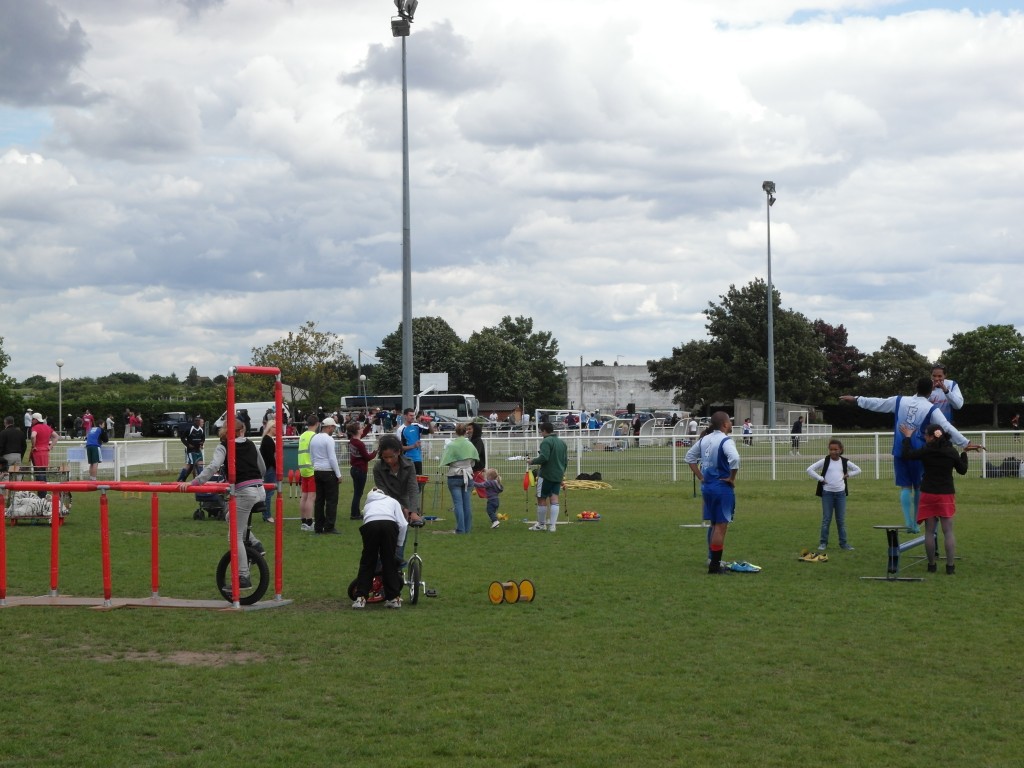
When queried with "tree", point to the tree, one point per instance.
{"points": [[597, 362], [193, 377], [843, 362], [894, 369], [545, 376], [735, 359], [436, 348], [686, 371], [10, 402], [495, 368], [990, 360], [308, 359]]}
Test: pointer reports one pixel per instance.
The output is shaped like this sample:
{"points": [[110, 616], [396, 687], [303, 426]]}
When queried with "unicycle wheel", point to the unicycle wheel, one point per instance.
{"points": [[414, 576], [259, 576]]}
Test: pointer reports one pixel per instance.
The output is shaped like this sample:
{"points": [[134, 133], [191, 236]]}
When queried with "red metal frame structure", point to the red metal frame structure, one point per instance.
{"points": [[155, 489]]}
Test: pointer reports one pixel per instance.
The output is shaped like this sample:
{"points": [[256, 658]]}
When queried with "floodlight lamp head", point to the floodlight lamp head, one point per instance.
{"points": [[768, 187], [771, 201], [410, 8]]}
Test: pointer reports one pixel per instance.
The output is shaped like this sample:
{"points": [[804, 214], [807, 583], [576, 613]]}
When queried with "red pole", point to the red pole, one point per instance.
{"points": [[233, 501], [279, 516], [54, 542], [260, 370], [154, 538], [3, 551], [105, 543]]}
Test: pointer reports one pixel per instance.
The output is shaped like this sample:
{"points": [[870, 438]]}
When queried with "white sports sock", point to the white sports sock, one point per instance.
{"points": [[553, 514]]}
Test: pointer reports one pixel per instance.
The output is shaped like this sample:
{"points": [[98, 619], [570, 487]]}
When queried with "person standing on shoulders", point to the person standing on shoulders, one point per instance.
{"points": [[945, 393], [326, 476], [552, 459], [715, 462]]}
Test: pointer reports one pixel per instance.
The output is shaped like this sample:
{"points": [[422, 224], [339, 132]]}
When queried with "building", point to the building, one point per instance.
{"points": [[607, 388]]}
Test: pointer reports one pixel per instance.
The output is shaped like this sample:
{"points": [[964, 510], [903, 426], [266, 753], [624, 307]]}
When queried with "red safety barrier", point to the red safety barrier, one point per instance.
{"points": [[155, 489]]}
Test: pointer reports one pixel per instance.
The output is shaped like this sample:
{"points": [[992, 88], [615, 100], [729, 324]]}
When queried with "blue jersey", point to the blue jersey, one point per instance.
{"points": [[948, 401], [94, 437], [717, 456], [410, 435], [915, 412]]}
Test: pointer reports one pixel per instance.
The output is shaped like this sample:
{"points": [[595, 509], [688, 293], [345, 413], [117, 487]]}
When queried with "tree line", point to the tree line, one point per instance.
{"points": [[815, 363]]}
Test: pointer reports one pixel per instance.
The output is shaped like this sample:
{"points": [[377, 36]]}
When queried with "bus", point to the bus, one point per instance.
{"points": [[449, 404]]}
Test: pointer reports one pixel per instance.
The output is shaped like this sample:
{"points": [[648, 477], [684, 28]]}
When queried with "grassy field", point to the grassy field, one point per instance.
{"points": [[630, 654]]}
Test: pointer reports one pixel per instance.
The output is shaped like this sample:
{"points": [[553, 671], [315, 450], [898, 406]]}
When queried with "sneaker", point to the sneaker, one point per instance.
{"points": [[307, 528], [551, 528], [244, 582], [822, 558], [496, 523], [808, 557], [537, 527], [932, 568], [846, 547], [355, 517], [269, 520], [822, 547], [950, 570], [359, 602], [396, 603]]}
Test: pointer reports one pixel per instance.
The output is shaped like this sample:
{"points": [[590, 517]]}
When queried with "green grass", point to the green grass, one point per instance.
{"points": [[630, 654]]}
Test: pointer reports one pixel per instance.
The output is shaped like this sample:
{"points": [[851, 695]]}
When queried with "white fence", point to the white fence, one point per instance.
{"points": [[655, 455]]}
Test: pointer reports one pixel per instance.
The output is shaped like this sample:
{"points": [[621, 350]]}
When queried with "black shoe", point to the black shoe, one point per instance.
{"points": [[932, 568], [332, 532], [356, 517], [950, 570]]}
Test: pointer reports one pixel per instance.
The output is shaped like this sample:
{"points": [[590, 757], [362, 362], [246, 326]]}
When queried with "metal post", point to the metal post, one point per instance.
{"points": [[769, 189]]}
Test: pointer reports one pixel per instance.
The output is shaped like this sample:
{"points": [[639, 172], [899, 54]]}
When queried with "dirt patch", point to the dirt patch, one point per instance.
{"points": [[185, 658]]}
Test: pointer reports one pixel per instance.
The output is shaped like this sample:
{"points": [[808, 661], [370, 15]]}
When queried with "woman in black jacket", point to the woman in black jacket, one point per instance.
{"points": [[938, 496]]}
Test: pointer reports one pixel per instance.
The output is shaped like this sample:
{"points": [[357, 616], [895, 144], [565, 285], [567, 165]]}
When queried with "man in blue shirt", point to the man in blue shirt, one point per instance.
{"points": [[715, 461], [94, 438], [410, 433]]}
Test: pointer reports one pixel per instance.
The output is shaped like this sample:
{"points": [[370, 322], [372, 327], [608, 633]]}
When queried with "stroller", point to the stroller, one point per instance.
{"points": [[213, 506]]}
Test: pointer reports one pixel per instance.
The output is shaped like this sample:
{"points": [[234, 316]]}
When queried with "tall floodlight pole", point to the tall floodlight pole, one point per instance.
{"points": [[769, 190], [60, 395], [400, 26]]}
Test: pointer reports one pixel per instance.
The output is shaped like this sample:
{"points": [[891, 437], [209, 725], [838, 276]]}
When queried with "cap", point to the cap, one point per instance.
{"points": [[37, 416], [328, 422]]}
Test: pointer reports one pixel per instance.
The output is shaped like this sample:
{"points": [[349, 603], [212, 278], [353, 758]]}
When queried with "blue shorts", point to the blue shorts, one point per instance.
{"points": [[908, 473], [548, 488], [719, 502]]}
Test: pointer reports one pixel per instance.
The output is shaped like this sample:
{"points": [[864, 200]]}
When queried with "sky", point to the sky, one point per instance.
{"points": [[184, 180]]}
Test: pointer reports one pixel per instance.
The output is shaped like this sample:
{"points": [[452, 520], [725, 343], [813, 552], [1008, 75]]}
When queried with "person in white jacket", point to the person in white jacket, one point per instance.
{"points": [[832, 473], [383, 531]]}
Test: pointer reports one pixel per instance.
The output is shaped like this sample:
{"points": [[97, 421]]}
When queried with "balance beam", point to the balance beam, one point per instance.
{"points": [[892, 535]]}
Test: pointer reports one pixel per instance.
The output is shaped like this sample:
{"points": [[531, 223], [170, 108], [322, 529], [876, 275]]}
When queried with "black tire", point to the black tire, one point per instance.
{"points": [[198, 514], [352, 589], [259, 574], [414, 581], [174, 431]]}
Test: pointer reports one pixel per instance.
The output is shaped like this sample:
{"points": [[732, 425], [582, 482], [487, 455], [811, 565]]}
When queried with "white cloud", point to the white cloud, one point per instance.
{"points": [[216, 173]]}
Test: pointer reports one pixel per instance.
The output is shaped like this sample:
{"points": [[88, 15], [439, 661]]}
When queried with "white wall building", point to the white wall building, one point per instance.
{"points": [[607, 388]]}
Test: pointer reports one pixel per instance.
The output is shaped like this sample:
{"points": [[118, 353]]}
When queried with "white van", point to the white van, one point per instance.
{"points": [[256, 412]]}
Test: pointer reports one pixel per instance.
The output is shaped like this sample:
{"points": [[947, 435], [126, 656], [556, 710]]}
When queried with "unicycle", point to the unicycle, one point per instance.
{"points": [[412, 577], [259, 575]]}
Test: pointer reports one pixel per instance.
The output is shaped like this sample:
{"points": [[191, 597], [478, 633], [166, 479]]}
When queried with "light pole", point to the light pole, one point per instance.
{"points": [[362, 385], [769, 190], [60, 393], [400, 27]]}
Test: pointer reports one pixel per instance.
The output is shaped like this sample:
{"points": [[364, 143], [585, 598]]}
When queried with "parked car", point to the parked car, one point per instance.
{"points": [[170, 424], [443, 423]]}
